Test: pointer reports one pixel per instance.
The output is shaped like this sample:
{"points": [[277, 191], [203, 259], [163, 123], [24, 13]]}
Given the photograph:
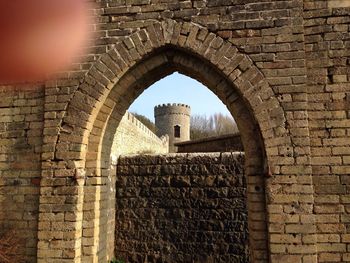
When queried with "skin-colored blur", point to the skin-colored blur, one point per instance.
{"points": [[40, 37]]}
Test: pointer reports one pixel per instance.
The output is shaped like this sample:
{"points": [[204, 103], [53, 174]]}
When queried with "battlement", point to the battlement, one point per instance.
{"points": [[171, 105], [130, 118], [132, 137], [172, 108]]}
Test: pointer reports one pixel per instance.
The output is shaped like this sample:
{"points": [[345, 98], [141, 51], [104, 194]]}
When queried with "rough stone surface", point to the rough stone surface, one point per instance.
{"points": [[181, 208], [21, 131], [280, 67]]}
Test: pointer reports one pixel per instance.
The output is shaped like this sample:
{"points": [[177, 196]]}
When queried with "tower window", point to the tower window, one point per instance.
{"points": [[177, 131]]}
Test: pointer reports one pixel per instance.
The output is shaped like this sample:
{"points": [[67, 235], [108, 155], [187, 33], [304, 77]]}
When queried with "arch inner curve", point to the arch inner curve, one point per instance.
{"points": [[156, 65]]}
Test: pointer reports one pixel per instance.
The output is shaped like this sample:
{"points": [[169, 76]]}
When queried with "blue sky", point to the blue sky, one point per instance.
{"points": [[178, 88]]}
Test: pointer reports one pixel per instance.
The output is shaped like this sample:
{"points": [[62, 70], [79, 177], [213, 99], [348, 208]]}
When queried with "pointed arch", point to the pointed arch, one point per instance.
{"points": [[121, 74], [246, 80]]}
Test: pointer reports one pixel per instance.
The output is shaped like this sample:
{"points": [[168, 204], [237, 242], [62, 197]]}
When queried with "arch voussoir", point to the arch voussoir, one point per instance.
{"points": [[168, 29], [232, 63], [136, 39]]}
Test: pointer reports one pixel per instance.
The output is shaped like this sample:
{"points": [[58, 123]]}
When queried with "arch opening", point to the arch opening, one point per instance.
{"points": [[151, 68]]}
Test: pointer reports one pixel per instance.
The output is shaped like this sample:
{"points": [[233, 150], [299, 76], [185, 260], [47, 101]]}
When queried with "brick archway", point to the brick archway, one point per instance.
{"points": [[119, 76], [164, 62]]}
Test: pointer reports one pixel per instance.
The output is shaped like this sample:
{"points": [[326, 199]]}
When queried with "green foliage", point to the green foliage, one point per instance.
{"points": [[147, 122], [214, 125]]}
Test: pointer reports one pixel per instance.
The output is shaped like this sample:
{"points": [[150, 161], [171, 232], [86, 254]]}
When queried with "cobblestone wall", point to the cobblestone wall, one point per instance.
{"points": [[133, 137], [181, 208]]}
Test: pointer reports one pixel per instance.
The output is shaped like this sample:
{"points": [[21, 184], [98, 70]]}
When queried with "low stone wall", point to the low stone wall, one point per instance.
{"points": [[181, 208], [133, 137], [222, 143]]}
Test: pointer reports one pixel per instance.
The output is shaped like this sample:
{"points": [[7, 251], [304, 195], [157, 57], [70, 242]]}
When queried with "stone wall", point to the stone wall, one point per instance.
{"points": [[281, 68], [21, 130], [327, 45], [133, 137], [181, 208], [222, 143]]}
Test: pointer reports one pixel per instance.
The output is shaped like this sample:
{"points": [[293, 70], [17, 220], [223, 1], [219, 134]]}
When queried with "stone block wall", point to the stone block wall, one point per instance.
{"points": [[327, 45], [133, 137], [21, 130], [281, 68], [181, 208]]}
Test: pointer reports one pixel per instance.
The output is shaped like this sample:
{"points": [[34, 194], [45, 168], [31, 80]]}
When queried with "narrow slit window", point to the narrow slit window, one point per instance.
{"points": [[177, 131]]}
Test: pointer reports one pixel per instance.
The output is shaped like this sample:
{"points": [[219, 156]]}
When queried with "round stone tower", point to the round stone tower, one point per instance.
{"points": [[173, 120]]}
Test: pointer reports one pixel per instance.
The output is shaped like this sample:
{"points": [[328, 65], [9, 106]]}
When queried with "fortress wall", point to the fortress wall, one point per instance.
{"points": [[181, 208], [21, 127], [133, 137]]}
